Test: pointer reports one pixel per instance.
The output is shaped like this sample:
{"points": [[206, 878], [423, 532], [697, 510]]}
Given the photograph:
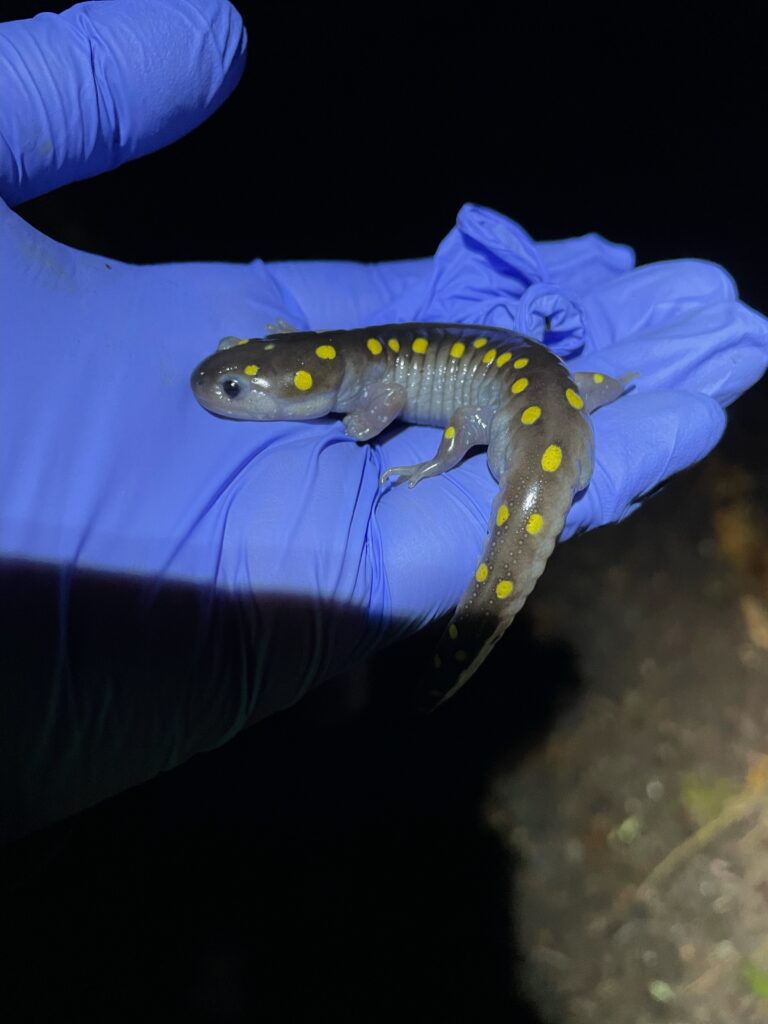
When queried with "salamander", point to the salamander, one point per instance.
{"points": [[485, 386]]}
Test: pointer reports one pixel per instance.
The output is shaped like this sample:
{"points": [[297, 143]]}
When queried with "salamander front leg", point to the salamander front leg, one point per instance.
{"points": [[230, 342], [375, 408], [469, 426], [280, 326]]}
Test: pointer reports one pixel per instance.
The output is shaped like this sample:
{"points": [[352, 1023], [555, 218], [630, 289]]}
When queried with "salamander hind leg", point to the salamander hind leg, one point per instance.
{"points": [[469, 426], [598, 389]]}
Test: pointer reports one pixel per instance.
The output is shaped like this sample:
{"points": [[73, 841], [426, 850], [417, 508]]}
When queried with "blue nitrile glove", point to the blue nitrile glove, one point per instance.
{"points": [[110, 470]]}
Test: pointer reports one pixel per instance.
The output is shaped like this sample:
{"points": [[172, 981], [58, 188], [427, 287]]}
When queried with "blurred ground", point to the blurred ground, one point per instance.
{"points": [[639, 828]]}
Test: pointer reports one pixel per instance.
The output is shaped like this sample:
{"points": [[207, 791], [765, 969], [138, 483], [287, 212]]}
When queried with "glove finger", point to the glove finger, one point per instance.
{"points": [[100, 84], [652, 295], [640, 441], [719, 350]]}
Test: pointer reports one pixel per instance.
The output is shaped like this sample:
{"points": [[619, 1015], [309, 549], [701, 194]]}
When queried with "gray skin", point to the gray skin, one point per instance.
{"points": [[470, 379]]}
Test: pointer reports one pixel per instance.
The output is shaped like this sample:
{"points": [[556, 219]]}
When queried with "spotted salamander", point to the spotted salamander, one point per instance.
{"points": [[484, 386]]}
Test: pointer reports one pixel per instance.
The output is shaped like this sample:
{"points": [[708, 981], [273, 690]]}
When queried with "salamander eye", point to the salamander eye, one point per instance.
{"points": [[231, 387]]}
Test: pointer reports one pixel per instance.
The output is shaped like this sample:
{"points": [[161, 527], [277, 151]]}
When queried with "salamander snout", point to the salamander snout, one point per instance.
{"points": [[227, 390]]}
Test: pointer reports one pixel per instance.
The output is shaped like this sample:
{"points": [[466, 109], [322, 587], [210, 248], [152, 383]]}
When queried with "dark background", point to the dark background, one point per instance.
{"points": [[330, 864]]}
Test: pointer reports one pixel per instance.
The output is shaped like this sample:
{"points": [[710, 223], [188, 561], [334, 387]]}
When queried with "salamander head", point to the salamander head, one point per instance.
{"points": [[266, 379]]}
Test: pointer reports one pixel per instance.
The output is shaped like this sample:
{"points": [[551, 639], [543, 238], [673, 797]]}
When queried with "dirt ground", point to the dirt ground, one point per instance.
{"points": [[638, 829]]}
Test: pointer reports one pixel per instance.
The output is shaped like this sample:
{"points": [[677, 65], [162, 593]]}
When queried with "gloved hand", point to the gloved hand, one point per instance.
{"points": [[171, 577]]}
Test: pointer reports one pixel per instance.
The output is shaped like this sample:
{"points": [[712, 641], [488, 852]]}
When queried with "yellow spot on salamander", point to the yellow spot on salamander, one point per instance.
{"points": [[420, 346], [251, 370], [490, 355], [520, 385], [269, 347], [504, 588], [458, 348], [598, 378], [374, 346], [481, 574], [460, 655], [520, 364], [551, 459], [325, 352], [530, 415], [394, 344], [574, 399], [479, 342], [243, 341], [438, 661], [503, 358], [502, 515], [450, 433], [453, 631], [303, 380], [535, 523]]}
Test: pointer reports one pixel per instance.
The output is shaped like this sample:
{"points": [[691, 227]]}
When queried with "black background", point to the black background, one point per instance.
{"points": [[362, 885]]}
